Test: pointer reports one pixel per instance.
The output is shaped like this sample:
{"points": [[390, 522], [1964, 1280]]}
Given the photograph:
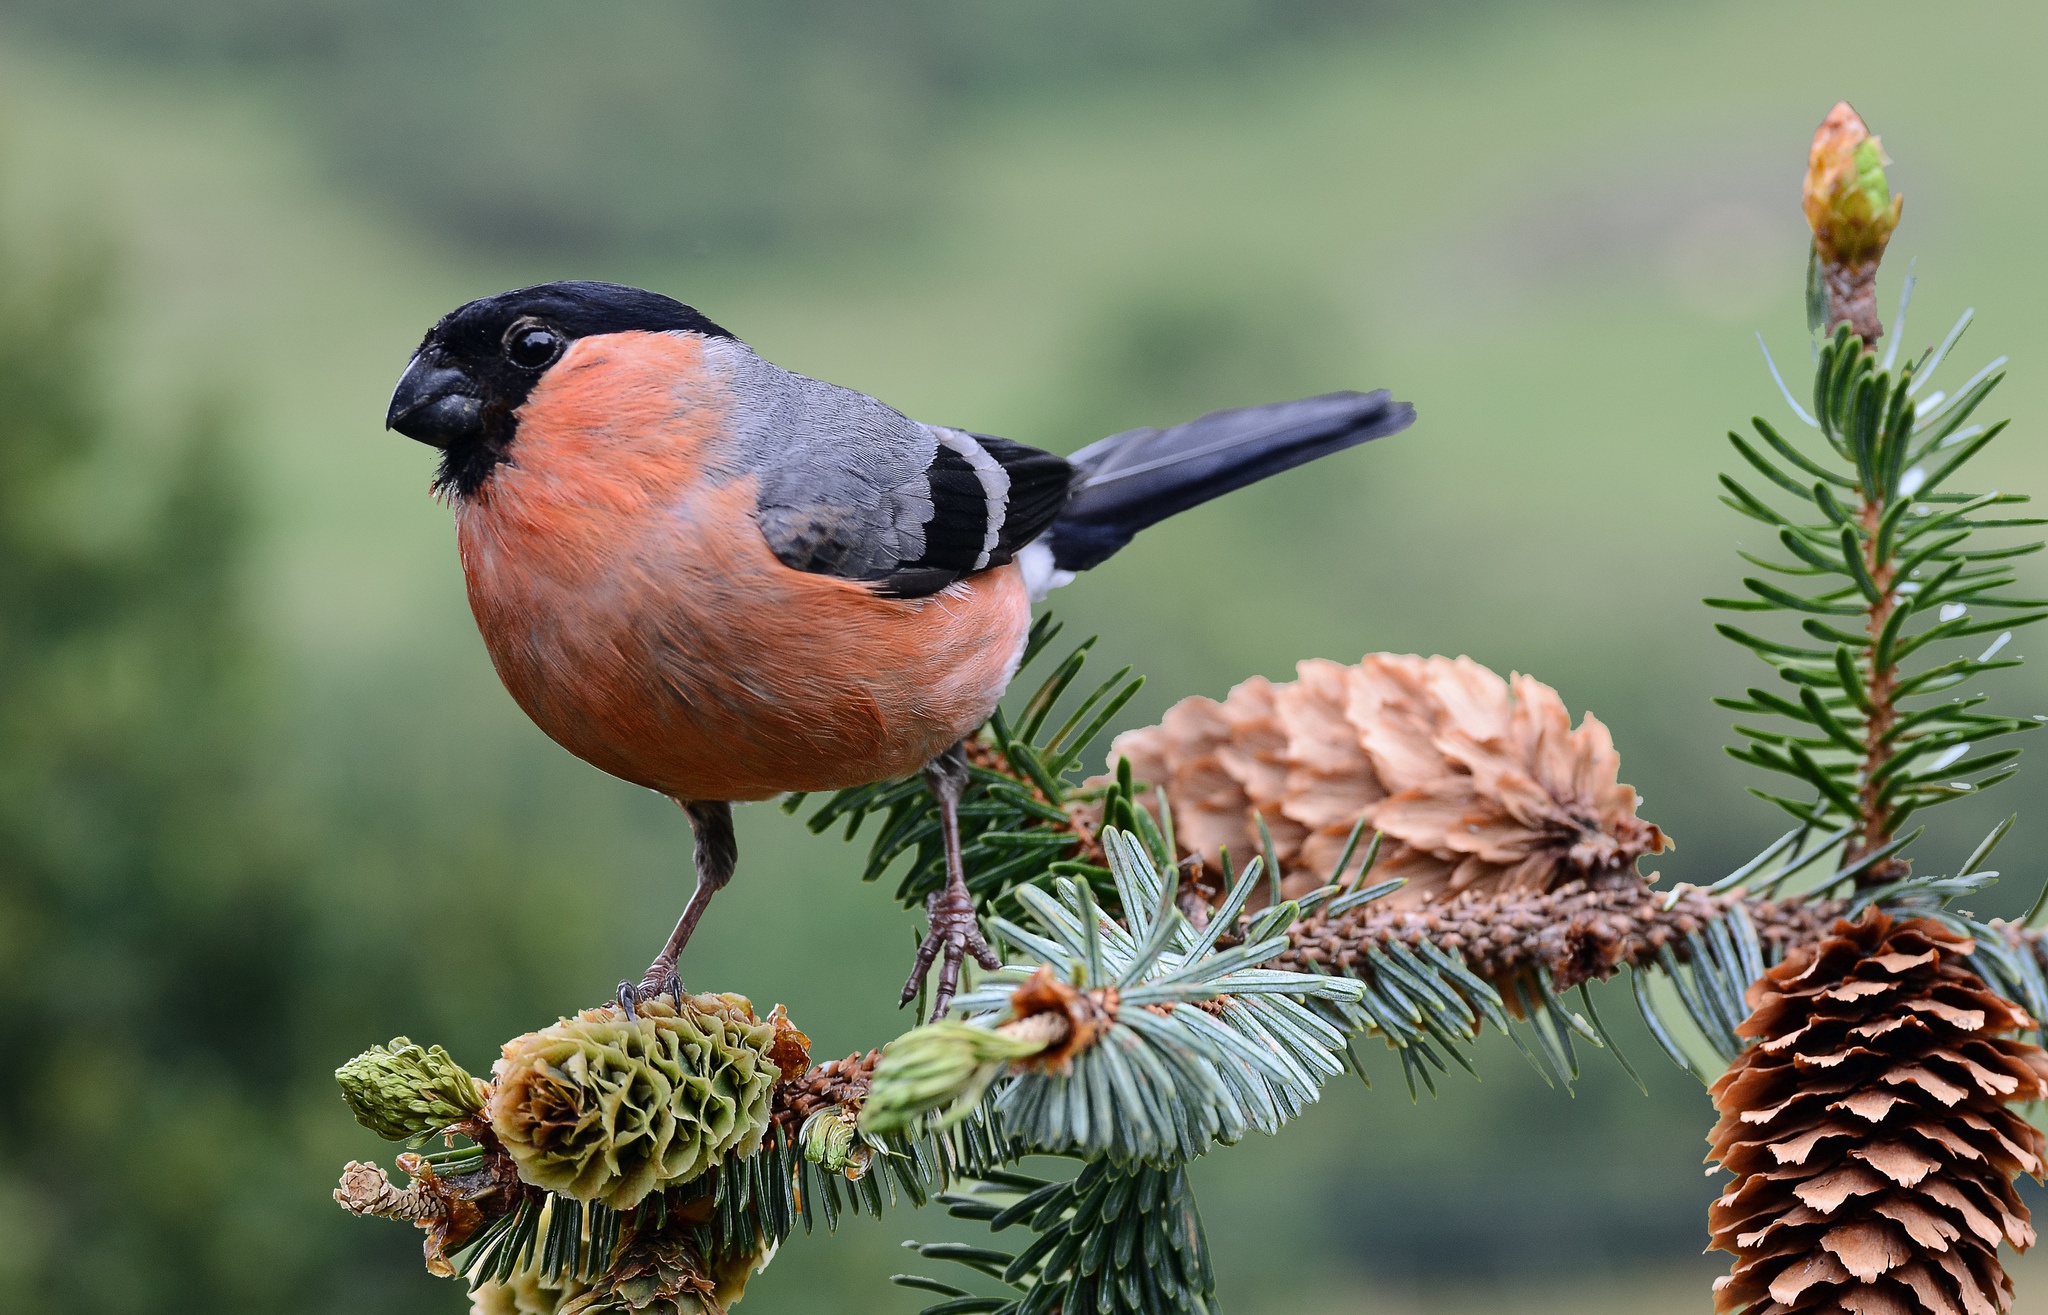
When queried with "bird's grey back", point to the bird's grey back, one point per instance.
{"points": [[843, 477]]}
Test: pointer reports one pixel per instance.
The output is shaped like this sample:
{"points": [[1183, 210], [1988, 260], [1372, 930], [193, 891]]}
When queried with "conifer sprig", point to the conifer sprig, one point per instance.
{"points": [[1882, 565], [1113, 1239], [1162, 1041]]}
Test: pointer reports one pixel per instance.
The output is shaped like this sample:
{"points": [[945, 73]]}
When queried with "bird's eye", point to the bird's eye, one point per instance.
{"points": [[531, 346]]}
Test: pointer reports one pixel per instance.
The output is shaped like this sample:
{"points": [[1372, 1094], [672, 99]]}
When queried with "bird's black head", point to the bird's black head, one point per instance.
{"points": [[476, 367]]}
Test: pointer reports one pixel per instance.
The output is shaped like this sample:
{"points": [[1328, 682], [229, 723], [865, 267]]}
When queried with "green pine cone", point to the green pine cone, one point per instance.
{"points": [[400, 1091], [601, 1109]]}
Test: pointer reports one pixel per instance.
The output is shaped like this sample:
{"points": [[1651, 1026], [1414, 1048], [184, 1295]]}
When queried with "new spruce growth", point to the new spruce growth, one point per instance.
{"points": [[1881, 565]]}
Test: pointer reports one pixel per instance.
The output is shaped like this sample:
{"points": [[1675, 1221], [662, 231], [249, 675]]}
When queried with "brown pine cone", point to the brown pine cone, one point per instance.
{"points": [[1869, 1132], [1477, 783]]}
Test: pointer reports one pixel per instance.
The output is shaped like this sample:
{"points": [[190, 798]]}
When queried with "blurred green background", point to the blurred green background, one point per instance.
{"points": [[263, 802]]}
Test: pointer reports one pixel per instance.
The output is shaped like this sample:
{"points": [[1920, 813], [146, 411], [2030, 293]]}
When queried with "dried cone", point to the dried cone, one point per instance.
{"points": [[837, 1082], [1869, 1132], [1478, 784]]}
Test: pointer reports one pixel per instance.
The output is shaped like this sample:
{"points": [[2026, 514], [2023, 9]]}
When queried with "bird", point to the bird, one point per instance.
{"points": [[724, 581]]}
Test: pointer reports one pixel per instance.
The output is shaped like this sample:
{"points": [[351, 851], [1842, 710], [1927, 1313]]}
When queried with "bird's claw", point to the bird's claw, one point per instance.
{"points": [[954, 934], [661, 979]]}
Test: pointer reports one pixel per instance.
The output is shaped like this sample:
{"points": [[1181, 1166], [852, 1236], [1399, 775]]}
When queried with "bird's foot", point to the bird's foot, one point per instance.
{"points": [[661, 980], [954, 934]]}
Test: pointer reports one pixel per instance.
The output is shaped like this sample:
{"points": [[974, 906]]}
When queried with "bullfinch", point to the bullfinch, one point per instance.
{"points": [[723, 581]]}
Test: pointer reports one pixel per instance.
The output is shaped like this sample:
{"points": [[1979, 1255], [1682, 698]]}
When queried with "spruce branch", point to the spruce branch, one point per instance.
{"points": [[705, 1126], [1446, 927], [1884, 571], [1577, 933], [1141, 1040], [1114, 1239], [1863, 1110], [1876, 734]]}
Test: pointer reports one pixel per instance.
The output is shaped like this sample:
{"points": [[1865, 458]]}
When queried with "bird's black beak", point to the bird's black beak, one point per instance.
{"points": [[436, 404]]}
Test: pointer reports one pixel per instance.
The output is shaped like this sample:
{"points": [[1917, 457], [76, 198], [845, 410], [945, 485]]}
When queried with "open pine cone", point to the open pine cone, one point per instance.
{"points": [[1868, 1130], [1477, 783]]}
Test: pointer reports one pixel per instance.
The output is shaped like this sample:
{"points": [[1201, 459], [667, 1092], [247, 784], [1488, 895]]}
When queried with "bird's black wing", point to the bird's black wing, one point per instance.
{"points": [[990, 497]]}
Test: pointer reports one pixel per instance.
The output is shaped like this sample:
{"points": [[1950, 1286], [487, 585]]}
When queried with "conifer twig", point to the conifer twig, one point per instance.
{"points": [[1581, 931]]}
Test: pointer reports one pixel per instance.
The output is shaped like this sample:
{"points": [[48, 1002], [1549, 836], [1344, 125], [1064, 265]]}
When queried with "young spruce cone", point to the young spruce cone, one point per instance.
{"points": [[1478, 784], [603, 1109], [401, 1091], [1869, 1132]]}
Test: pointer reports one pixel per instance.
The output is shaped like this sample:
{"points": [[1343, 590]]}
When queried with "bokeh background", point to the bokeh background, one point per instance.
{"points": [[262, 801]]}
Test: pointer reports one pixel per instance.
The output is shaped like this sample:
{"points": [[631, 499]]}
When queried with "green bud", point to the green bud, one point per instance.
{"points": [[401, 1092], [1848, 202], [938, 1066]]}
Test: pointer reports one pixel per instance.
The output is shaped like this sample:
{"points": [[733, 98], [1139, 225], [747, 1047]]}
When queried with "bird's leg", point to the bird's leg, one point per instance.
{"points": [[717, 855], [952, 932]]}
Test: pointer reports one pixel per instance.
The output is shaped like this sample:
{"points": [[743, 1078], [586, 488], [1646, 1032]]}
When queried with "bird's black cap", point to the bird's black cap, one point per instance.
{"points": [[475, 367], [576, 309]]}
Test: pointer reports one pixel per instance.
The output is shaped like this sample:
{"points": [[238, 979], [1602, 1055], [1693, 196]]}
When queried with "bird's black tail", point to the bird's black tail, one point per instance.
{"points": [[1138, 478]]}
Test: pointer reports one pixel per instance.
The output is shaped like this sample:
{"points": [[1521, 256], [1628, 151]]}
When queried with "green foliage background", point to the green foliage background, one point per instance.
{"points": [[264, 802]]}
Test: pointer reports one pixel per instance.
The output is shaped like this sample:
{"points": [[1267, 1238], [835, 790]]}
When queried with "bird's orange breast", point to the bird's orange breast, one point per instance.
{"points": [[634, 610]]}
